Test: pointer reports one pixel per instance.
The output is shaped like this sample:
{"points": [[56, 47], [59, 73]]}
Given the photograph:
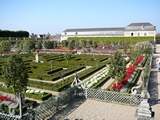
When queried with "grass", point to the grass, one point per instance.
{"points": [[112, 40]]}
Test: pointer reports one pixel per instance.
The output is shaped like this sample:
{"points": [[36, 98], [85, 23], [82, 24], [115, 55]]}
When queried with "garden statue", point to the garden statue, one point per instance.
{"points": [[37, 57], [77, 82], [136, 89]]}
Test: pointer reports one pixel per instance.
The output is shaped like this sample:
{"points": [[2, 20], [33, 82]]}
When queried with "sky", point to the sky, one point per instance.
{"points": [[54, 16]]}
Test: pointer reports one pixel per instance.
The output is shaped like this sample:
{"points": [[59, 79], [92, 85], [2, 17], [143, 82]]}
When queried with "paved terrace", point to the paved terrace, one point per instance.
{"points": [[154, 86], [97, 110]]}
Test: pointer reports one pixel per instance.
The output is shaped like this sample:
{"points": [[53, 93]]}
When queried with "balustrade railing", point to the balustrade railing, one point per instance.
{"points": [[113, 97]]}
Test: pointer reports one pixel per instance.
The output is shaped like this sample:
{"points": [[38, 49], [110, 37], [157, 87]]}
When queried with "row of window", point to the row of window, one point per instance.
{"points": [[132, 34]]}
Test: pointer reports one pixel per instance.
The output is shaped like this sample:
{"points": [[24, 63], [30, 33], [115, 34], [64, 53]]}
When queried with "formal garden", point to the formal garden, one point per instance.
{"points": [[50, 73], [56, 69]]}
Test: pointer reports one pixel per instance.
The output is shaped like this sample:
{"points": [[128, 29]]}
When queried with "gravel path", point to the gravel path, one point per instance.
{"points": [[96, 110], [108, 83]]}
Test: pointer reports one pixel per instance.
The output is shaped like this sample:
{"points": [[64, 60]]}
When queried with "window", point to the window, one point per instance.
{"points": [[65, 33], [76, 33], [131, 34], [138, 34]]}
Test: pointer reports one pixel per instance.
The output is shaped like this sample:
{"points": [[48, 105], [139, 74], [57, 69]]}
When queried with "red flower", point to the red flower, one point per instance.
{"points": [[129, 71], [4, 98]]}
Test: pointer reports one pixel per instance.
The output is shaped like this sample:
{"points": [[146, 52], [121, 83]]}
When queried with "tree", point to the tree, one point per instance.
{"points": [[38, 44], [65, 43], [117, 66], [50, 44], [27, 45], [15, 75], [7, 33], [71, 44], [5, 46]]}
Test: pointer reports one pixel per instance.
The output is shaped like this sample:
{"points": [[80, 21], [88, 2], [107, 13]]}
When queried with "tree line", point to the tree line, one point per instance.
{"points": [[19, 34]]}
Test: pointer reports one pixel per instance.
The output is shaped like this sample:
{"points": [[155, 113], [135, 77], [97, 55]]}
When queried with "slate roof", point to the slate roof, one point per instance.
{"points": [[140, 24], [95, 29]]}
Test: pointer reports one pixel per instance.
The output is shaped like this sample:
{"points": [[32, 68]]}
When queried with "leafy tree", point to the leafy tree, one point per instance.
{"points": [[5, 46], [71, 44], [38, 45], [117, 66], [16, 76], [7, 33], [27, 45], [50, 44], [65, 43], [15, 73]]}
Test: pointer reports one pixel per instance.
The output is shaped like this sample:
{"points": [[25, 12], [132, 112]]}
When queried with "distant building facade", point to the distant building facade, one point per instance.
{"points": [[133, 29]]}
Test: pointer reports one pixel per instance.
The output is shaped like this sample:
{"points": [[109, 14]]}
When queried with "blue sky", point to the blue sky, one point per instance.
{"points": [[53, 16]]}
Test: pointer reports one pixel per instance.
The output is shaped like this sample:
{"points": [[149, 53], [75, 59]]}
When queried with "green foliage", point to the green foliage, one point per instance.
{"points": [[111, 40], [5, 46], [71, 44], [50, 44], [38, 44], [15, 74], [26, 45], [6, 33], [117, 66], [65, 43]]}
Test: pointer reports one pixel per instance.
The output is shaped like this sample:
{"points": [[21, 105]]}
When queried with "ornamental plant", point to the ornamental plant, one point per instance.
{"points": [[117, 66], [128, 73]]}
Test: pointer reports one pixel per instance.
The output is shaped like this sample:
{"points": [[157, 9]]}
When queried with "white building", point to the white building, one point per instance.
{"points": [[140, 29], [133, 29]]}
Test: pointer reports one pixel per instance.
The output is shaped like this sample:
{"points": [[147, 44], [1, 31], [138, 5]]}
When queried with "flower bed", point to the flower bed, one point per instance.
{"points": [[129, 74]]}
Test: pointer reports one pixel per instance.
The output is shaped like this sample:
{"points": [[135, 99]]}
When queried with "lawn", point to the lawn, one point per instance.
{"points": [[112, 40]]}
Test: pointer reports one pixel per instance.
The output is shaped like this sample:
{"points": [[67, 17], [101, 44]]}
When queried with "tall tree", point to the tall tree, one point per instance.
{"points": [[16, 76], [117, 66]]}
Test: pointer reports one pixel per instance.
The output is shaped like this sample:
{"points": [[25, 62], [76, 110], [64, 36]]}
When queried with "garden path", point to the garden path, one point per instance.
{"points": [[97, 110], [108, 83]]}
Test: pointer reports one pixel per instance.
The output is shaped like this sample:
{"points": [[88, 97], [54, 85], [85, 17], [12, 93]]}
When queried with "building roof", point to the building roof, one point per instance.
{"points": [[141, 24], [94, 29]]}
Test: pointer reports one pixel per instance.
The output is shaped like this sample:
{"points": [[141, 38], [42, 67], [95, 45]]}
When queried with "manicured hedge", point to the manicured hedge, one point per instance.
{"points": [[60, 86], [54, 70], [64, 73]]}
